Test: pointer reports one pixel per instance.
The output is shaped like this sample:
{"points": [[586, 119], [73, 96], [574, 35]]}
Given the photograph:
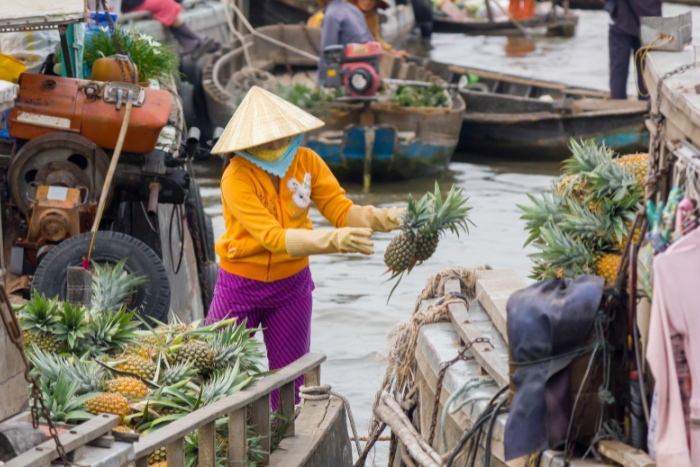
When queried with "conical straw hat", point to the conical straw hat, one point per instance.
{"points": [[261, 118]]}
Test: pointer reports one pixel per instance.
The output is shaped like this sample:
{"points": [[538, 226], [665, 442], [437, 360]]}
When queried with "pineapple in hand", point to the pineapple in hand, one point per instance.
{"points": [[400, 254], [450, 214]]}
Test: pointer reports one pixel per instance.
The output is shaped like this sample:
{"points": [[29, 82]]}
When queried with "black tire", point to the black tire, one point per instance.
{"points": [[211, 273], [196, 219], [152, 298], [211, 241]]}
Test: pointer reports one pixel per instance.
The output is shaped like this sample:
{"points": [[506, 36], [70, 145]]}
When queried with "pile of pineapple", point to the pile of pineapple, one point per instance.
{"points": [[423, 224], [582, 225], [434, 95], [105, 359]]}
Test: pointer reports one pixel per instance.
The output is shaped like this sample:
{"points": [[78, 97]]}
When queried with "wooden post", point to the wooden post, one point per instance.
{"points": [[313, 377], [244, 6], [175, 453], [488, 11], [78, 286], [287, 406], [142, 462], [237, 438], [261, 425], [207, 445]]}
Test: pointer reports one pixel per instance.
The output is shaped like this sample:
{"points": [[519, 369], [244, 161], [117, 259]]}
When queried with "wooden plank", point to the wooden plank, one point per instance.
{"points": [[71, 440], [143, 462], [493, 289], [313, 377], [207, 445], [237, 438], [191, 422], [482, 352], [286, 407], [175, 453], [625, 455], [261, 425]]}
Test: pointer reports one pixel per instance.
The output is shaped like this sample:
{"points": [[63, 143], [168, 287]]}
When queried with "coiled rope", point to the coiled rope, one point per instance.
{"points": [[323, 393]]}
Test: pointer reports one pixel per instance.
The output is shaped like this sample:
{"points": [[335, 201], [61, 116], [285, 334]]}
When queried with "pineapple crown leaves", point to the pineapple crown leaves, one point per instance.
{"points": [[61, 400], [452, 213], [586, 157], [88, 375], [234, 343], [225, 383], [418, 213], [72, 325], [176, 372], [111, 286], [544, 210], [39, 315], [612, 181], [581, 223], [560, 250], [109, 330]]}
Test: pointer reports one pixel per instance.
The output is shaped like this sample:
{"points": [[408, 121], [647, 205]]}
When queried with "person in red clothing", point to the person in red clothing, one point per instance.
{"points": [[169, 13], [522, 9]]}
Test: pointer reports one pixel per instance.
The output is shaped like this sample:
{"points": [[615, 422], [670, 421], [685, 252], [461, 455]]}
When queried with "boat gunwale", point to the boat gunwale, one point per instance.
{"points": [[484, 117]]}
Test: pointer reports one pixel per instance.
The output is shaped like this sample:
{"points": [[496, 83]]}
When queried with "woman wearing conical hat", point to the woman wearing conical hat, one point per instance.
{"points": [[267, 190]]}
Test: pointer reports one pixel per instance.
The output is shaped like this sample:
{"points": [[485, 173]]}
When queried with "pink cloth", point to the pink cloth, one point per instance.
{"points": [[676, 312], [164, 11]]}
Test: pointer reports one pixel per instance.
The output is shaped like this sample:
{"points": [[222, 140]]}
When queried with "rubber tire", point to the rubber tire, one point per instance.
{"points": [[211, 274], [211, 241], [194, 210], [152, 298]]}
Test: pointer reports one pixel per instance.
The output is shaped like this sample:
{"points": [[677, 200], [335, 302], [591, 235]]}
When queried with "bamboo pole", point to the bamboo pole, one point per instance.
{"points": [[406, 435]]}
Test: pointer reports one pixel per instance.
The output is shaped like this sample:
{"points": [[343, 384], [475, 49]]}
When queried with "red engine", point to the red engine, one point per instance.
{"points": [[358, 65]]}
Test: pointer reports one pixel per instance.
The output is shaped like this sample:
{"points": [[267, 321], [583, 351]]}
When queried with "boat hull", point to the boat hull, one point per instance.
{"points": [[564, 26], [549, 138]]}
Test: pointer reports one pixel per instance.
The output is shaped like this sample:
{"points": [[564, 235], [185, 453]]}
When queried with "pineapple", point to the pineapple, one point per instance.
{"points": [[122, 429], [144, 351], [114, 404], [72, 326], [109, 331], [586, 156], [234, 343], [88, 375], [451, 215], [613, 182], [39, 317], [549, 208], [141, 367], [112, 287], [176, 373], [638, 164], [62, 401], [559, 250], [127, 387], [198, 353], [400, 254], [157, 457], [606, 266]]}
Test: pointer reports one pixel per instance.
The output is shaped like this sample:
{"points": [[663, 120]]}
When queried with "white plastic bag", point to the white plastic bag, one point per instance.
{"points": [[31, 47]]}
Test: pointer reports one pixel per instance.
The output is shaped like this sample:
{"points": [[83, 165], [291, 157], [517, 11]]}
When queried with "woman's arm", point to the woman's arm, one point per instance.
{"points": [[326, 193]]}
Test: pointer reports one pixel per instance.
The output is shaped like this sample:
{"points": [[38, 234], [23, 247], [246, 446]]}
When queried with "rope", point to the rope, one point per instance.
{"points": [[640, 57], [324, 393]]}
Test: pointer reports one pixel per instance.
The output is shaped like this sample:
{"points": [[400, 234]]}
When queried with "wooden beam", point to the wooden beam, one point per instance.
{"points": [[625, 455], [261, 425], [207, 445], [483, 353], [175, 453], [71, 440], [493, 289], [179, 428], [237, 438], [313, 377], [286, 407]]}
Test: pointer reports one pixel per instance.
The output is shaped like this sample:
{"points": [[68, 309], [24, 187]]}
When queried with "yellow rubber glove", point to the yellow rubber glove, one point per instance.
{"points": [[302, 242], [377, 219]]}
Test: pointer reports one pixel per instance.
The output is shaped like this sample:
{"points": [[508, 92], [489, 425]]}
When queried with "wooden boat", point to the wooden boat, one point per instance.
{"points": [[553, 24], [586, 4], [514, 117], [408, 142]]}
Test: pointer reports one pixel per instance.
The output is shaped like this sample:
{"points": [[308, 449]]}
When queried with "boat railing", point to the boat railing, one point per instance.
{"points": [[235, 407]]}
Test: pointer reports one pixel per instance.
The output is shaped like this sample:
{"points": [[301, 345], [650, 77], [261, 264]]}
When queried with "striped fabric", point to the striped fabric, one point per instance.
{"points": [[281, 308]]}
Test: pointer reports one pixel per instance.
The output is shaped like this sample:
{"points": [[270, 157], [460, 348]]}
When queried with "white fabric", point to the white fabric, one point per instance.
{"points": [[31, 47]]}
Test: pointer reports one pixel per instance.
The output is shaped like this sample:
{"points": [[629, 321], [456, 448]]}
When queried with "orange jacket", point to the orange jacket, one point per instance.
{"points": [[257, 217]]}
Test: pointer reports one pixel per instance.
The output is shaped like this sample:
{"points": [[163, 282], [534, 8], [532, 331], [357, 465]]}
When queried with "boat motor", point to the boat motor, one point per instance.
{"points": [[355, 66]]}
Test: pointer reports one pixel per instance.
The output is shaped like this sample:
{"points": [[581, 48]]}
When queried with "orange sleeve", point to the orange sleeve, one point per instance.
{"points": [[238, 193], [327, 194]]}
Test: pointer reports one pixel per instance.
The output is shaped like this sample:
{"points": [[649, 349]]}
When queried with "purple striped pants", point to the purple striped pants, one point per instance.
{"points": [[281, 308]]}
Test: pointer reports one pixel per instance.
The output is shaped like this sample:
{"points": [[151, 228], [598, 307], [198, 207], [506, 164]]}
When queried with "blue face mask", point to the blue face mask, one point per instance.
{"points": [[280, 166]]}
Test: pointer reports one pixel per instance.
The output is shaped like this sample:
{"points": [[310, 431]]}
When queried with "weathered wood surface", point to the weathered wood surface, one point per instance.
{"points": [[467, 326], [493, 289], [179, 428], [18, 438], [13, 386], [321, 438], [625, 455], [81, 435]]}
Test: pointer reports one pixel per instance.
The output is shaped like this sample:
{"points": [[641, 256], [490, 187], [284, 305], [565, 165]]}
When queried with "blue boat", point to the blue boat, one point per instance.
{"points": [[400, 142]]}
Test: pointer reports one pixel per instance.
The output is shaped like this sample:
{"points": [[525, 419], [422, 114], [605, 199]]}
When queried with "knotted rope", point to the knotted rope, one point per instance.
{"points": [[323, 393]]}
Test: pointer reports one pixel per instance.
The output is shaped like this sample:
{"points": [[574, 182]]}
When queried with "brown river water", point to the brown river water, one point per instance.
{"points": [[351, 316]]}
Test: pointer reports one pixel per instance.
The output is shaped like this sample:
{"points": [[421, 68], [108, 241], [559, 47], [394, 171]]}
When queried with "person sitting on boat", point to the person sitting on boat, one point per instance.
{"points": [[624, 39], [266, 190], [342, 24], [169, 14], [369, 10]]}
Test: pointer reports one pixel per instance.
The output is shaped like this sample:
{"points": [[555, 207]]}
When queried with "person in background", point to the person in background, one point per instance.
{"points": [[267, 190], [342, 24], [624, 40], [522, 9], [169, 13], [369, 9]]}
